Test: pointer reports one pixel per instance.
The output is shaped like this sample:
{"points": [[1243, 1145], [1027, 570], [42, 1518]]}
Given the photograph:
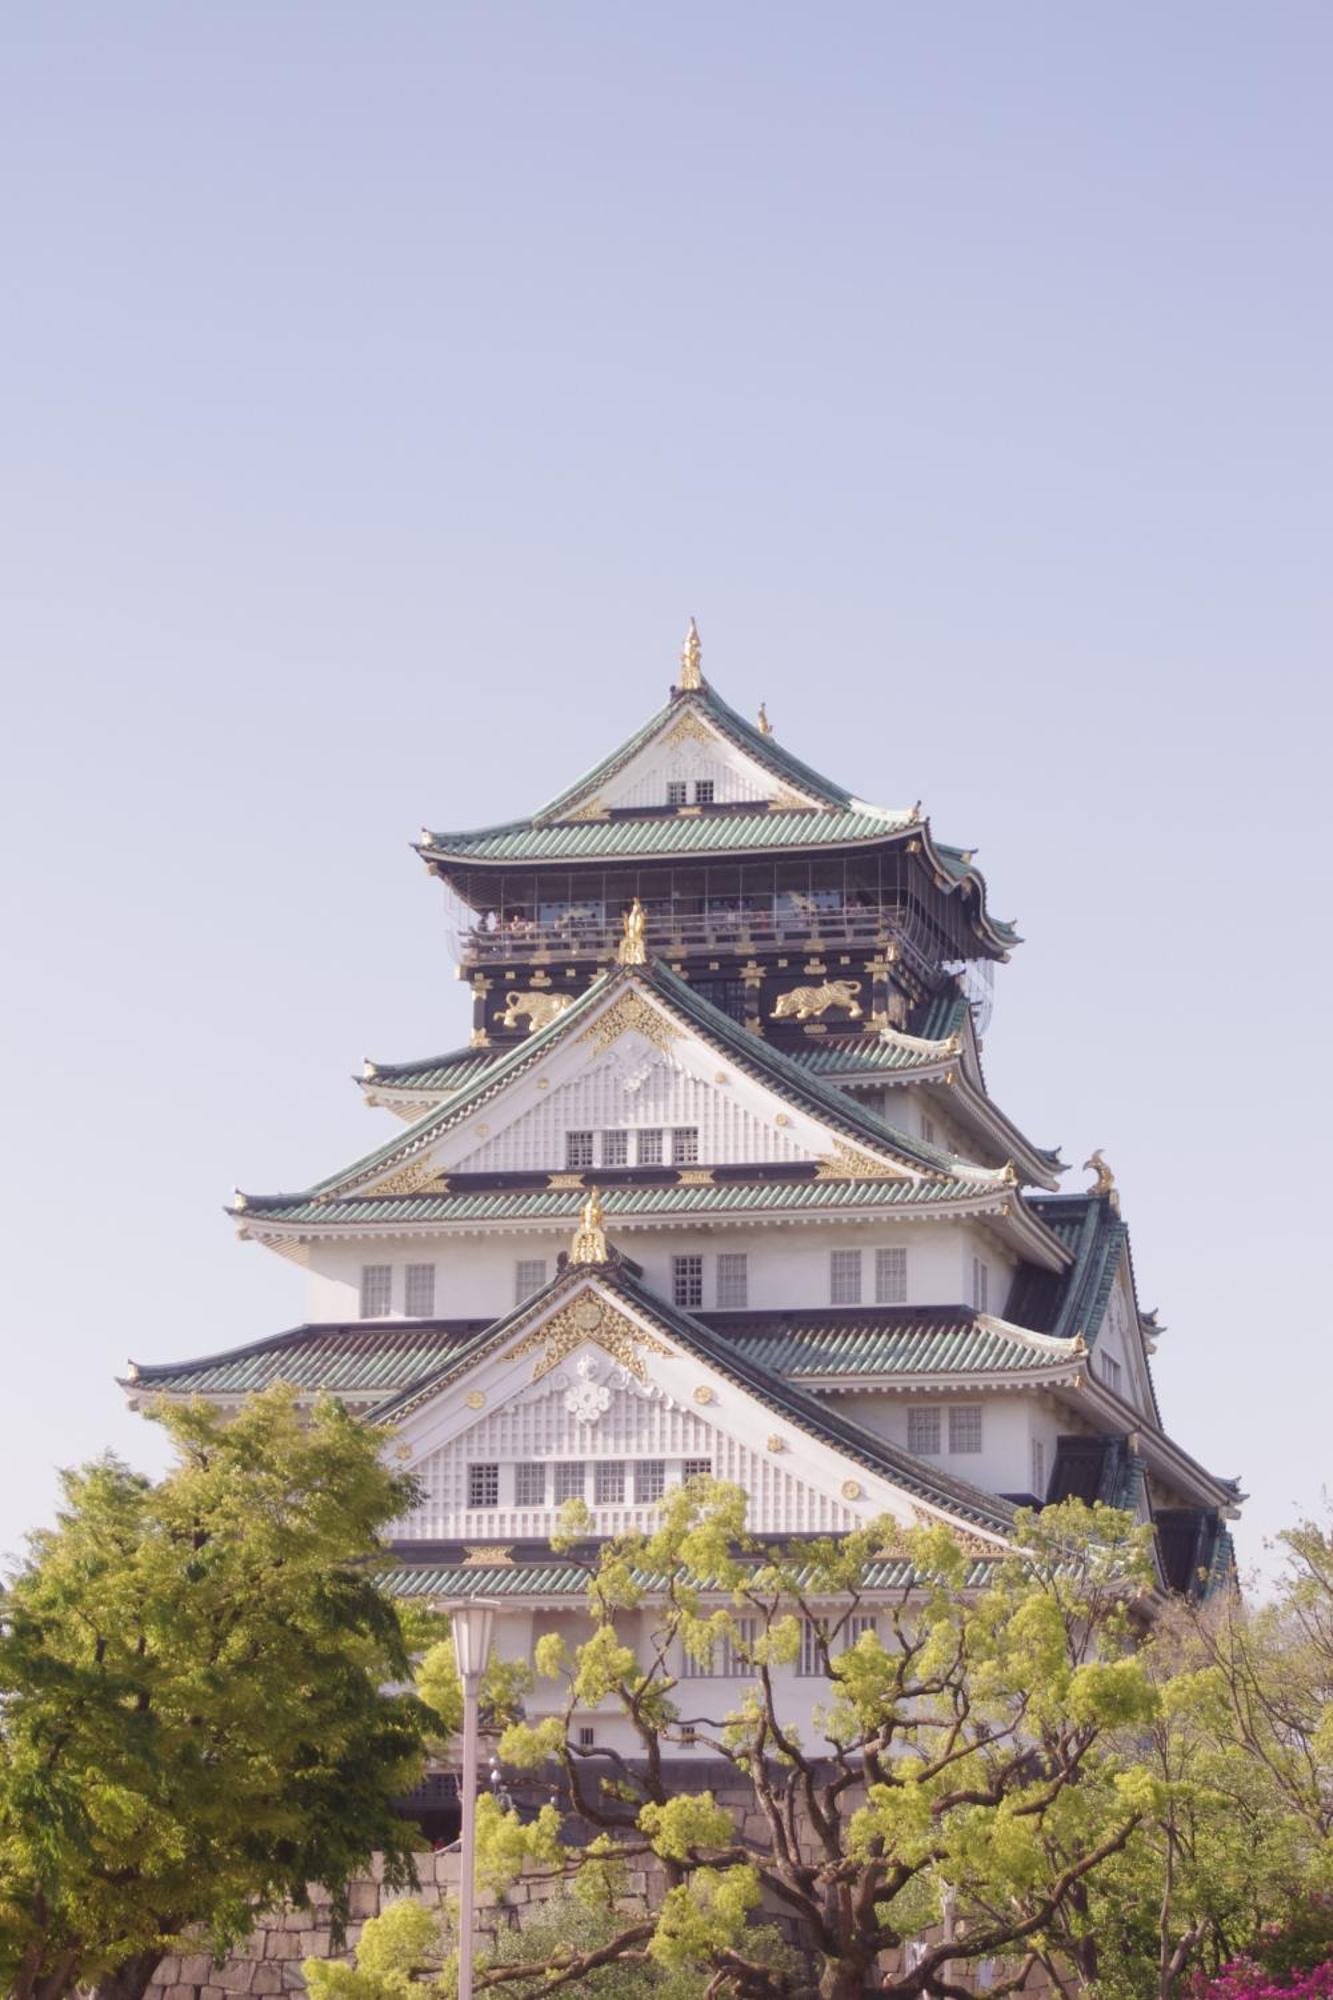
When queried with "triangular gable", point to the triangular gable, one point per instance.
{"points": [[689, 749], [595, 1371]]}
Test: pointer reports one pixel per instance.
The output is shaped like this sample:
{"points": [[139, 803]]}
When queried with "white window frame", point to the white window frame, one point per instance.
{"points": [[571, 1480], [649, 1150], [376, 1283], [732, 1280], [705, 791], [687, 1281], [696, 1468], [678, 791], [965, 1426], [685, 1145], [416, 1278], [980, 1285], [649, 1481], [529, 1472], [1039, 1468], [925, 1430], [483, 1477], [608, 1482], [529, 1277], [615, 1149], [844, 1277], [810, 1664], [580, 1145], [891, 1274]]}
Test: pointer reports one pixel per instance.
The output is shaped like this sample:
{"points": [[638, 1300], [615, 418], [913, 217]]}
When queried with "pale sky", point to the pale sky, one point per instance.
{"points": [[384, 386]]}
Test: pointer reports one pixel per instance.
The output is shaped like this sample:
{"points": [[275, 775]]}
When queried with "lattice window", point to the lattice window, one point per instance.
{"points": [[814, 1634], [420, 1291], [965, 1427], [678, 791], [733, 1280], [376, 1290], [1039, 1468], [891, 1276], [980, 1284], [703, 791], [857, 1626], [649, 1480], [1110, 1368], [608, 1481], [923, 1432], [684, 1145], [587, 1736], [687, 1282], [530, 1485], [483, 1486], [845, 1277], [569, 1480], [615, 1149], [529, 1277], [697, 1468], [578, 1149], [730, 1658], [650, 1146]]}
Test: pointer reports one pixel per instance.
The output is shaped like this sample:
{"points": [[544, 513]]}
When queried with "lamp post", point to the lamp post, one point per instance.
{"points": [[473, 1622]]}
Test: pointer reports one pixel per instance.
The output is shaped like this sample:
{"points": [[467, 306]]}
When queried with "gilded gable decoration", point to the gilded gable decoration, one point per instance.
{"points": [[849, 1163], [589, 1318], [631, 1014], [687, 728], [417, 1177]]}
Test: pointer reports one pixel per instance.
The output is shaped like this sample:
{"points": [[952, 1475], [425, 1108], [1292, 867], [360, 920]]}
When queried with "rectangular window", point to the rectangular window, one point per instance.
{"points": [[376, 1290], [965, 1427], [731, 1658], [568, 1480], [689, 1732], [891, 1277], [923, 1432], [814, 1632], [650, 1147], [483, 1486], [859, 1623], [649, 1480], [529, 1277], [703, 791], [928, 1129], [697, 1468], [687, 1282], [1039, 1468], [1111, 1372], [529, 1484], [608, 1482], [420, 1296], [615, 1149], [980, 1285], [578, 1149], [587, 1736], [685, 1146], [733, 1280], [845, 1277], [729, 996], [677, 791]]}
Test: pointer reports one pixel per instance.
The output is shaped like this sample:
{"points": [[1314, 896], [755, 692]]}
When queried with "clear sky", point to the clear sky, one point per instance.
{"points": [[384, 386]]}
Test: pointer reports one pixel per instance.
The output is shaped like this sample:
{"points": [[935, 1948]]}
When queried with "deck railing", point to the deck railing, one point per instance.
{"points": [[672, 932]]}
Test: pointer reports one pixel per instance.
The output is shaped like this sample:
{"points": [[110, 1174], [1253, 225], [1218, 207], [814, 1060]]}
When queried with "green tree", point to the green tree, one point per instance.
{"points": [[193, 1722], [965, 1777]]}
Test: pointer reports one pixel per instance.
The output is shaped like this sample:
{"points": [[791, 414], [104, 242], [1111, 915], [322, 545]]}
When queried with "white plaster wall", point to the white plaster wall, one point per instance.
{"points": [[644, 781], [1009, 1424]]}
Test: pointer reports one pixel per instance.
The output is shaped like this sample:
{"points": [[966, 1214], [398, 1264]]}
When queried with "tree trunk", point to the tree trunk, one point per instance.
{"points": [[131, 1980], [845, 1977]]}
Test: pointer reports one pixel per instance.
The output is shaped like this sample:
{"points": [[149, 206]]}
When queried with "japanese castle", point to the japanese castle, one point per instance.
{"points": [[717, 1185]]}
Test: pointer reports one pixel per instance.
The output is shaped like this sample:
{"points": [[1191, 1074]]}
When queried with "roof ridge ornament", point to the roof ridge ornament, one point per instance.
{"points": [[633, 946], [691, 656], [589, 1245], [765, 726], [1105, 1181]]}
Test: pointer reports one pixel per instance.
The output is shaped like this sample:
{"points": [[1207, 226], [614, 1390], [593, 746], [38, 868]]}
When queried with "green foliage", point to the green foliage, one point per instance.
{"points": [[192, 1722], [504, 1684]]}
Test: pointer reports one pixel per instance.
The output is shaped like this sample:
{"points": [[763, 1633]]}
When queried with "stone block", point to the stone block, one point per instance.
{"points": [[211, 1993], [267, 1979], [293, 1979], [235, 1976], [179, 1992]]}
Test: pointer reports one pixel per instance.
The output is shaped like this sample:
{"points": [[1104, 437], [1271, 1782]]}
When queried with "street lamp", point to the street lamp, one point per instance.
{"points": [[473, 1622]]}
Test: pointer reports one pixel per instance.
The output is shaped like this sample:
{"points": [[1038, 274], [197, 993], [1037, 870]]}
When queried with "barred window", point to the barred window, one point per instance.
{"points": [[376, 1290], [650, 1146], [923, 1432], [530, 1484], [814, 1631], [420, 1300], [578, 1149], [649, 1479], [483, 1486], [529, 1277], [615, 1149], [685, 1145], [928, 1129], [891, 1276], [703, 791], [608, 1481], [587, 1736], [845, 1277], [697, 1468], [687, 1282], [569, 1480], [857, 1625], [980, 1285], [965, 1427], [1111, 1372], [730, 1659], [677, 791], [733, 1279], [1039, 1468]]}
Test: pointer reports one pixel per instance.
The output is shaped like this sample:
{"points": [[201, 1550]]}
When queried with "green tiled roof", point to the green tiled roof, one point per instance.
{"points": [[916, 1343], [666, 834], [870, 1057], [564, 1579], [765, 750], [447, 1072], [363, 1359], [1075, 1301], [641, 1203]]}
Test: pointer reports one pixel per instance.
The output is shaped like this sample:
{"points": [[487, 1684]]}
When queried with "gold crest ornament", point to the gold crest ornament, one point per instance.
{"points": [[589, 1245], [633, 946], [691, 655]]}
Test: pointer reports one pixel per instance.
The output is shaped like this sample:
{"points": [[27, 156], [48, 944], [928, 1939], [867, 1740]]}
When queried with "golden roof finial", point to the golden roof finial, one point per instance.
{"points": [[691, 654], [633, 946], [589, 1245], [765, 726], [1105, 1181]]}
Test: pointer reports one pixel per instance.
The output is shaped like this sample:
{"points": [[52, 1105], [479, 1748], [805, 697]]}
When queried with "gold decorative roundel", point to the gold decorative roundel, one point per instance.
{"points": [[851, 1489], [703, 1394], [588, 1315], [476, 1401]]}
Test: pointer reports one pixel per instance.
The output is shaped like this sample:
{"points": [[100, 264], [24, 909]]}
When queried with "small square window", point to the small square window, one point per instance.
{"points": [[733, 1280], [677, 791], [615, 1149], [483, 1486], [965, 1427], [845, 1277], [529, 1277], [650, 1146], [684, 1145], [689, 1732], [697, 1468], [376, 1290], [891, 1277], [578, 1149], [530, 1485], [703, 791], [608, 1483], [420, 1295], [587, 1736], [569, 1480], [923, 1432], [649, 1480], [687, 1282]]}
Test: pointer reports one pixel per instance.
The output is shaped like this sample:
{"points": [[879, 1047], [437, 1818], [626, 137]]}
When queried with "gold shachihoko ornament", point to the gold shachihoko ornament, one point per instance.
{"points": [[633, 946], [589, 1245], [691, 655]]}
